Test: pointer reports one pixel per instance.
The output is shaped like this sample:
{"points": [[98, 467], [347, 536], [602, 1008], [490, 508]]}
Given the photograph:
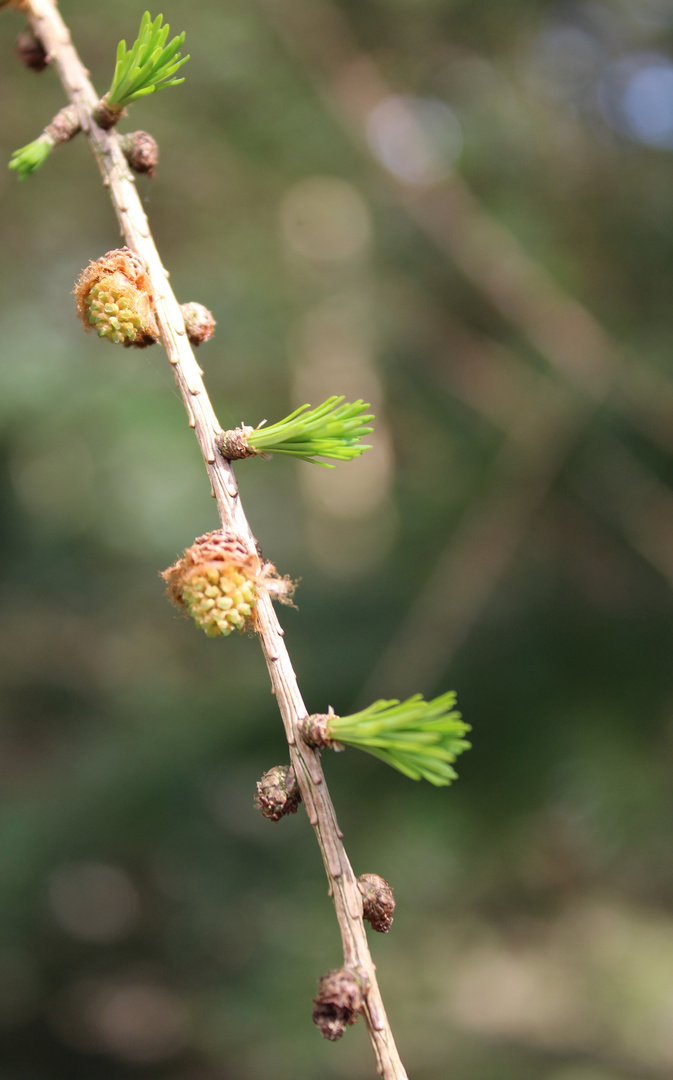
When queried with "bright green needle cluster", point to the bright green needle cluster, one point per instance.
{"points": [[420, 738], [148, 66], [331, 430], [29, 158]]}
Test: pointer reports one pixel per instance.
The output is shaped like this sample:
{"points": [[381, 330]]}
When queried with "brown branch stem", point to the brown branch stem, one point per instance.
{"points": [[52, 31]]}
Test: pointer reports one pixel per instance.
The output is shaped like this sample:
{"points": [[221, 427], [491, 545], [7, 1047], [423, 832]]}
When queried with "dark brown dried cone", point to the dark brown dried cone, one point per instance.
{"points": [[199, 322], [278, 793], [314, 730], [378, 902], [141, 151], [339, 1002], [30, 51], [114, 296]]}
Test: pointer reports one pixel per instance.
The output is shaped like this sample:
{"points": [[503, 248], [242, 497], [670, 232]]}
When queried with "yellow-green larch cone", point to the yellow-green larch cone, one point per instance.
{"points": [[114, 297], [218, 580]]}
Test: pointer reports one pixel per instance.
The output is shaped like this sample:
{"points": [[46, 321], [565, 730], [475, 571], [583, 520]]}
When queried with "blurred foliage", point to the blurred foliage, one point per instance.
{"points": [[517, 528]]}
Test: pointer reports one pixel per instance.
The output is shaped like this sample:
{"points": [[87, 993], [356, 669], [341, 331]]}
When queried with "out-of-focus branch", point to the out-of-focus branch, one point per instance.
{"points": [[482, 547], [541, 426], [567, 335], [559, 327], [617, 485]]}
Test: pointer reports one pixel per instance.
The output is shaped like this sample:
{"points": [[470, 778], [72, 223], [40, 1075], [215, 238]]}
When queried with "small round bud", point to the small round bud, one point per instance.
{"points": [[114, 297], [30, 51], [378, 903], [141, 151], [278, 793], [199, 322], [339, 1002], [314, 730]]}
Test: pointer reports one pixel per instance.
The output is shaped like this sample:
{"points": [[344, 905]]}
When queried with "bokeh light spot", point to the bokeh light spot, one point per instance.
{"points": [[325, 219], [93, 902], [417, 139], [648, 104]]}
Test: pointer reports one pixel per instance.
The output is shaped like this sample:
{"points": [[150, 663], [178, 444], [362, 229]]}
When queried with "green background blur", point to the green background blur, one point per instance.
{"points": [[462, 212]]}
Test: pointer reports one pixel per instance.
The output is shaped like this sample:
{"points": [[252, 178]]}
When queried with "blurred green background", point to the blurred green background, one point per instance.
{"points": [[462, 212]]}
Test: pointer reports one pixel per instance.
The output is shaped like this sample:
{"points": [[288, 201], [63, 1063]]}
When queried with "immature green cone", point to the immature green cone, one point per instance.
{"points": [[114, 297], [217, 581]]}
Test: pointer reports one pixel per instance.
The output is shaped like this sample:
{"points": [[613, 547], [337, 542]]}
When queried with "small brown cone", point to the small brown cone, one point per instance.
{"points": [[278, 793], [378, 902], [30, 51], [339, 1002], [114, 297]]}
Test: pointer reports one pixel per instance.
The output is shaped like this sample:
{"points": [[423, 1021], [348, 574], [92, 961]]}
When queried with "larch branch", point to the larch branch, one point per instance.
{"points": [[106, 145]]}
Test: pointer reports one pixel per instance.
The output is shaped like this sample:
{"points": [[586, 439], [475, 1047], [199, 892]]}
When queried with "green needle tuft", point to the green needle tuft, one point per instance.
{"points": [[419, 738], [29, 158], [331, 430], [149, 65]]}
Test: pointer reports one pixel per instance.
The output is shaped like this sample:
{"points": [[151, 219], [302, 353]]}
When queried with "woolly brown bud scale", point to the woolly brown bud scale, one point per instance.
{"points": [[217, 581], [233, 444], [378, 902], [314, 730], [141, 151], [199, 322], [339, 1002], [278, 793], [105, 116], [114, 297]]}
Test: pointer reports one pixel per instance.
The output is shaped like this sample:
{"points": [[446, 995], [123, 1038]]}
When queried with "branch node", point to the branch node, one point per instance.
{"points": [[314, 731], [105, 116]]}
